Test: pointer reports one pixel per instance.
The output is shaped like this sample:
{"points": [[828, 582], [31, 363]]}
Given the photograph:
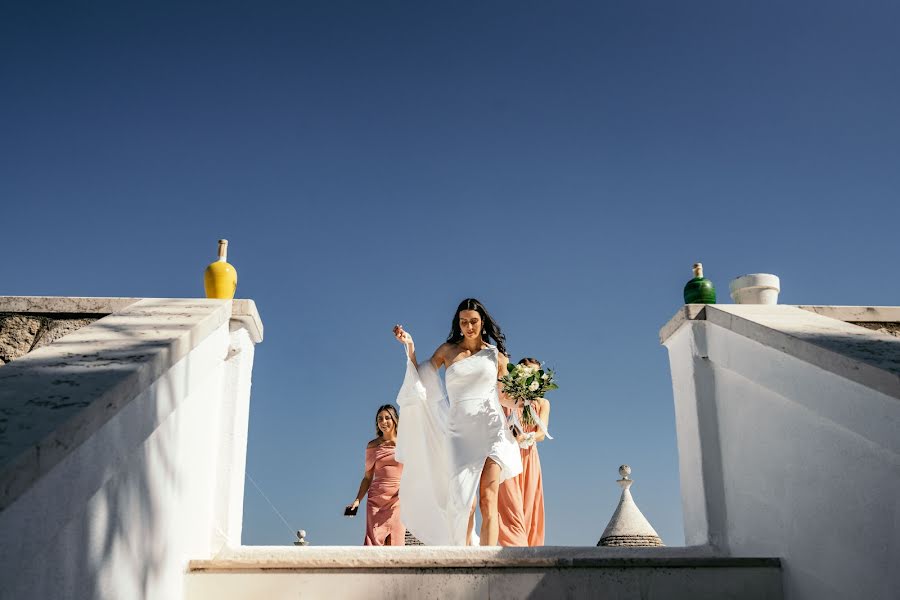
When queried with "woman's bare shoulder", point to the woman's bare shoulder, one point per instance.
{"points": [[446, 352], [447, 348], [374, 443]]}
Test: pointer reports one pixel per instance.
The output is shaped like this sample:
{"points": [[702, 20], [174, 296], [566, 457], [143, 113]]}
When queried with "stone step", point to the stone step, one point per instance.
{"points": [[283, 573]]}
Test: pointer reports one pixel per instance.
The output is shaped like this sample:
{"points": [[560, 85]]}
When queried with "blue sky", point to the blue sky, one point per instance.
{"points": [[375, 163]]}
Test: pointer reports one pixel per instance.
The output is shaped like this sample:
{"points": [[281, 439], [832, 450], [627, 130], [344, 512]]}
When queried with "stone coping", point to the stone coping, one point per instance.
{"points": [[267, 558], [851, 314], [812, 334], [688, 312], [55, 397], [64, 305], [243, 311], [848, 314]]}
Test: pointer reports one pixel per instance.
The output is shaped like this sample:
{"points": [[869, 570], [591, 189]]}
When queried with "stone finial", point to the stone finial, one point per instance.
{"points": [[300, 538], [628, 527]]}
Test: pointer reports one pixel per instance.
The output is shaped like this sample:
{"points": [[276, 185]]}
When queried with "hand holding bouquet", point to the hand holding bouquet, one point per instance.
{"points": [[525, 384]]}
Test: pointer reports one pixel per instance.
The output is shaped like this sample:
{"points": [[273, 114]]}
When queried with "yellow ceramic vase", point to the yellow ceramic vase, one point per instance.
{"points": [[220, 278]]}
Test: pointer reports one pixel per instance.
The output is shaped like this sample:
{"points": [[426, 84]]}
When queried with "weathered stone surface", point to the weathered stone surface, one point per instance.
{"points": [[881, 327], [262, 558], [49, 305], [20, 334], [17, 336], [55, 329], [856, 314], [480, 572], [243, 311]]}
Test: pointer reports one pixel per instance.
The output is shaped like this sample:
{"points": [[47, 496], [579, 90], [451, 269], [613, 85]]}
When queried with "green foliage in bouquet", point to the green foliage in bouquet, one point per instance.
{"points": [[526, 383]]}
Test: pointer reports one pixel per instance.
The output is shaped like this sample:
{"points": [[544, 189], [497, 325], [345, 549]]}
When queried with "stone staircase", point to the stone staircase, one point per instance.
{"points": [[288, 573]]}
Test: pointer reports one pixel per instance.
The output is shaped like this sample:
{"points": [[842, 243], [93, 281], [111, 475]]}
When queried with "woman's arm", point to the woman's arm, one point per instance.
{"points": [[367, 477], [437, 359], [363, 488], [502, 371], [404, 338], [544, 413]]}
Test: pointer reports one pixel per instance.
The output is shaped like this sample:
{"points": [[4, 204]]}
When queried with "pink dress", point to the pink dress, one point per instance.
{"points": [[527, 489], [511, 515], [383, 500]]}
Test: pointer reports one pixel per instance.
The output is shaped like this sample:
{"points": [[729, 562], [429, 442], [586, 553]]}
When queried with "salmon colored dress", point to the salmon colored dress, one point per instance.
{"points": [[383, 500], [525, 490], [511, 514]]}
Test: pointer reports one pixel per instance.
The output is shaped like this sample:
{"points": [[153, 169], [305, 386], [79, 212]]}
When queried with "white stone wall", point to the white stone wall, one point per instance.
{"points": [[781, 457], [157, 484]]}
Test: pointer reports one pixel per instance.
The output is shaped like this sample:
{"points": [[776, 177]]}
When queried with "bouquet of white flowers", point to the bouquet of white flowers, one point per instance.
{"points": [[525, 384]]}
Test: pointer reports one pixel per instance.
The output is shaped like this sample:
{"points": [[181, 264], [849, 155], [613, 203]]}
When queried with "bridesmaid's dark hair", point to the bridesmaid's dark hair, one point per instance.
{"points": [[394, 416], [530, 361], [490, 329]]}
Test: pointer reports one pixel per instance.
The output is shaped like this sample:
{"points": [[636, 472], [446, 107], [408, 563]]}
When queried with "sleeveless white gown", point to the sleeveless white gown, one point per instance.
{"points": [[443, 441]]}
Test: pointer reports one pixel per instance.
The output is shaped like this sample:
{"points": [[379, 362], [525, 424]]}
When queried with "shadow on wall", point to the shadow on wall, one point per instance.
{"points": [[123, 469], [797, 447]]}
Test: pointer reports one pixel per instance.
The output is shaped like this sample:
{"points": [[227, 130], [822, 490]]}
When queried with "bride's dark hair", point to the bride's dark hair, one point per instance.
{"points": [[489, 330]]}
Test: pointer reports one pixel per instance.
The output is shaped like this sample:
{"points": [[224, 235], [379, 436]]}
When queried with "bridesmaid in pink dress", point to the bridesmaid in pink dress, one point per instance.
{"points": [[526, 488], [382, 482]]}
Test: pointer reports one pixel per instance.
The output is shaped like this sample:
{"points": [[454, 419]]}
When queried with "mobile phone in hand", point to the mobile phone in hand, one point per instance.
{"points": [[350, 512]]}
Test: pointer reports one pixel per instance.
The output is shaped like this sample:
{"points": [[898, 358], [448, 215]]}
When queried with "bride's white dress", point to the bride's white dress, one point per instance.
{"points": [[445, 435]]}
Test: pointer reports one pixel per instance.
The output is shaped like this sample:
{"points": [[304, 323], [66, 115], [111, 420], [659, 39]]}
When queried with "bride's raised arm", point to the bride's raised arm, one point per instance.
{"points": [[404, 338], [437, 359], [422, 446]]}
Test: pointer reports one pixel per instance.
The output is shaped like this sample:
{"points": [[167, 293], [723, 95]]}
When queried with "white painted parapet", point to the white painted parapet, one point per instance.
{"points": [[122, 453], [480, 572], [788, 423]]}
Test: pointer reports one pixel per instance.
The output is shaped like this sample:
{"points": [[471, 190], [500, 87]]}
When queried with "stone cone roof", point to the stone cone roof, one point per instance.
{"points": [[628, 527]]}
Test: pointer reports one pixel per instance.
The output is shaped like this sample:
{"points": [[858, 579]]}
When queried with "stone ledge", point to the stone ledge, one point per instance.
{"points": [[243, 311], [64, 304], [268, 558], [870, 358], [851, 314], [688, 312], [848, 314]]}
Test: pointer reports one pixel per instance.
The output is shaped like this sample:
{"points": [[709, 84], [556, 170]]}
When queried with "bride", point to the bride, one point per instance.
{"points": [[454, 440]]}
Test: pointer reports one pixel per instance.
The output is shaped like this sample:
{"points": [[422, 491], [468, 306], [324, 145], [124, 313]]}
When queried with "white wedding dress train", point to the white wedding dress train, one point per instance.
{"points": [[443, 440]]}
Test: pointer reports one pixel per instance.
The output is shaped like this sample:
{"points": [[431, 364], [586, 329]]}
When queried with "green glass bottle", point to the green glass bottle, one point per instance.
{"points": [[699, 290]]}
